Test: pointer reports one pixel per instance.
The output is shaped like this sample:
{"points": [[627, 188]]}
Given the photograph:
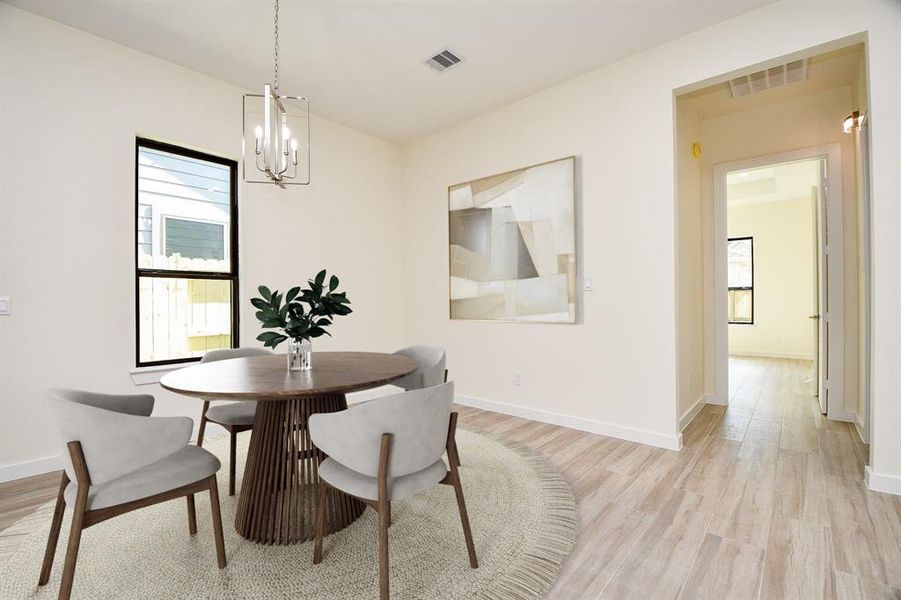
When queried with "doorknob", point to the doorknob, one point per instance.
{"points": [[817, 317]]}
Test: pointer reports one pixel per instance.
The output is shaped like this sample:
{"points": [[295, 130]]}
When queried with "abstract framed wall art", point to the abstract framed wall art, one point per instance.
{"points": [[513, 245]]}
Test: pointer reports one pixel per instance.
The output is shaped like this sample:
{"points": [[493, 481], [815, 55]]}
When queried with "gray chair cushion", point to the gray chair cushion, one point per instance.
{"points": [[418, 421], [229, 353], [362, 486], [233, 413], [186, 466], [429, 372], [139, 405], [114, 443]]}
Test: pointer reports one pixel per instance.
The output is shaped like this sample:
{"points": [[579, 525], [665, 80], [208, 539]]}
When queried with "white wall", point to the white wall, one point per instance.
{"points": [[804, 122], [72, 105], [784, 282], [689, 266], [859, 98], [617, 369]]}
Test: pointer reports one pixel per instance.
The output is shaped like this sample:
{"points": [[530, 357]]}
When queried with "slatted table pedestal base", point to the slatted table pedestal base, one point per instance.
{"points": [[281, 481]]}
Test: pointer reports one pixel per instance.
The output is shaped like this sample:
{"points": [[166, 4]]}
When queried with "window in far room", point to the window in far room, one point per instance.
{"points": [[741, 280]]}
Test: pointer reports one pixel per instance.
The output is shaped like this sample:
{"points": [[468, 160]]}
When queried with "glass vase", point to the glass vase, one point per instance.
{"points": [[300, 355]]}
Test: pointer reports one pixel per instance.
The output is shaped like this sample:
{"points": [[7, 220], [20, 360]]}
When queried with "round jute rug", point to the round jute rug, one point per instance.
{"points": [[521, 509]]}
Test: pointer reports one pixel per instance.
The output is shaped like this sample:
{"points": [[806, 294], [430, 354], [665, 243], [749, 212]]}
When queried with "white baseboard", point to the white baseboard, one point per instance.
{"points": [[879, 482], [29, 468], [692, 412], [793, 355], [642, 436]]}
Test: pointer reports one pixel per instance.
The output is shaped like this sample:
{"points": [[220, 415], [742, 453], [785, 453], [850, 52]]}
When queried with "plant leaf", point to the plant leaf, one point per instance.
{"points": [[333, 284], [264, 292]]}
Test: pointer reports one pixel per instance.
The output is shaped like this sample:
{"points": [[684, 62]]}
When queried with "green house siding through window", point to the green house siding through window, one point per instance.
{"points": [[195, 239]]}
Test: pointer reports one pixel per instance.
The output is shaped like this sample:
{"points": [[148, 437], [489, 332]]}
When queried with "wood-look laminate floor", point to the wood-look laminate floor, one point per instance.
{"points": [[766, 500]]}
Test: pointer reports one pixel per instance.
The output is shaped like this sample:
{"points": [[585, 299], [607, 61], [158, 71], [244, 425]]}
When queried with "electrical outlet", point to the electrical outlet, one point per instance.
{"points": [[5, 308], [517, 378]]}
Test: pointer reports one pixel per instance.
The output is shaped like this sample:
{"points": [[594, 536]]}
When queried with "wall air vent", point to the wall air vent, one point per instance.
{"points": [[443, 61], [768, 79]]}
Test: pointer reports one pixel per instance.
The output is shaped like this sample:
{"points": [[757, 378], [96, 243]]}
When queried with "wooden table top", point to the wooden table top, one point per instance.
{"points": [[268, 377]]}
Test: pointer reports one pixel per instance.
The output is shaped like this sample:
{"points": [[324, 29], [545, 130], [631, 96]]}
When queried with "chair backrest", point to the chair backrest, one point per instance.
{"points": [[430, 372], [226, 353], [117, 435], [417, 419]]}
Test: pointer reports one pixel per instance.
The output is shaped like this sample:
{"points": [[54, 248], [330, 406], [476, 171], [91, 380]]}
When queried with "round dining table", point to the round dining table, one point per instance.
{"points": [[280, 486]]}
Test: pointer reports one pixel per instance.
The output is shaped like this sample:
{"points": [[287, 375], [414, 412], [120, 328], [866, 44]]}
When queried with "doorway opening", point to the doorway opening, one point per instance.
{"points": [[772, 242], [778, 277]]}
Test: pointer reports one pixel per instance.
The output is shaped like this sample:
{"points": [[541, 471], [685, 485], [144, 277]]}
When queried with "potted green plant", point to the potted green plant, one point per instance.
{"points": [[300, 315]]}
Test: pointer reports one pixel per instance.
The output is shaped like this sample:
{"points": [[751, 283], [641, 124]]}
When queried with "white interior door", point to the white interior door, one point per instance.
{"points": [[830, 315], [814, 379], [821, 316]]}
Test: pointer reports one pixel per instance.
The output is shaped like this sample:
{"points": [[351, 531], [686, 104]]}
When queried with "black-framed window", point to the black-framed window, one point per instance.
{"points": [[186, 253], [740, 266]]}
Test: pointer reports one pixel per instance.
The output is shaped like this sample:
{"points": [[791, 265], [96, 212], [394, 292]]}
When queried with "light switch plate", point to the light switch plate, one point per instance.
{"points": [[587, 285], [4, 305]]}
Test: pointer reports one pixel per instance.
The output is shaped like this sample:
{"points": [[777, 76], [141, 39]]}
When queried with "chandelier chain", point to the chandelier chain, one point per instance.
{"points": [[275, 83]]}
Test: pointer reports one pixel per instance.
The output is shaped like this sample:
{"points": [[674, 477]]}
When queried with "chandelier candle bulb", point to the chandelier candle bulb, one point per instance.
{"points": [[286, 135], [258, 134]]}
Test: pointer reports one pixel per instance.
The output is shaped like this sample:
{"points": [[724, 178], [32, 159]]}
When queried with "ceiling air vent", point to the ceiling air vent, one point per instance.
{"points": [[768, 79], [443, 61]]}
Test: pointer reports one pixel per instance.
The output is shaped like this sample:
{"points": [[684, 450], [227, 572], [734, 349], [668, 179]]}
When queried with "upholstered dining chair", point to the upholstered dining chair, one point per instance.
{"points": [[386, 450], [119, 459], [234, 417], [430, 370]]}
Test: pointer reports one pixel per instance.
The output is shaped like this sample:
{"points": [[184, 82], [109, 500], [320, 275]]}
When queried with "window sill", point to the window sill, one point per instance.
{"points": [[150, 375]]}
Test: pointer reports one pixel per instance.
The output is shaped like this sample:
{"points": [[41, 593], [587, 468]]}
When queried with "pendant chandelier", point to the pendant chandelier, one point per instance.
{"points": [[276, 134]]}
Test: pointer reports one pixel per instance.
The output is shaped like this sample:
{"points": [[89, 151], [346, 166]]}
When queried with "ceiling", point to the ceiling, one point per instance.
{"points": [[785, 181], [361, 63], [826, 71]]}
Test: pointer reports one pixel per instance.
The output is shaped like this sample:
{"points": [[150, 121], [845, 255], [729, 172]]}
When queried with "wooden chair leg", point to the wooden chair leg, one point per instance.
{"points": [[384, 517], [65, 586], [467, 532], [384, 508], [232, 455], [200, 432], [53, 538], [454, 460], [192, 515], [217, 521], [83, 479], [320, 524]]}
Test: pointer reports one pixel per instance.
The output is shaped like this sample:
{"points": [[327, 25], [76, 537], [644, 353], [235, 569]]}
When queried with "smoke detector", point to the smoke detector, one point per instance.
{"points": [[774, 77], [443, 61]]}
